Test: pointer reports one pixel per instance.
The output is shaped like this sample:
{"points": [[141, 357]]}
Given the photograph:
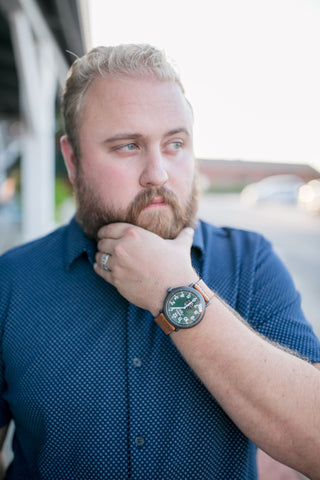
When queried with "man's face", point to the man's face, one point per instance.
{"points": [[137, 163]]}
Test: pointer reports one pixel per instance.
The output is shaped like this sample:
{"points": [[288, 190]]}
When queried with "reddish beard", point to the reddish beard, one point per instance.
{"points": [[166, 222]]}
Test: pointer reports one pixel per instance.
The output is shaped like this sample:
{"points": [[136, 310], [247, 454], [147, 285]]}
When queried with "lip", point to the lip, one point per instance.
{"points": [[157, 202]]}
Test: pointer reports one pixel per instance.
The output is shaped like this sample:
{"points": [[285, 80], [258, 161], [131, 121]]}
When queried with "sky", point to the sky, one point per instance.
{"points": [[251, 69]]}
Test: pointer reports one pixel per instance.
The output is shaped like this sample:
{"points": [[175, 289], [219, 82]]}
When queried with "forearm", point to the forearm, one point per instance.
{"points": [[3, 433], [2, 467], [273, 396]]}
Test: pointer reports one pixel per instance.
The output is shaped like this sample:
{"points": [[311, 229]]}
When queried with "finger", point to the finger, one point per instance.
{"points": [[103, 267], [113, 230], [106, 275], [106, 245]]}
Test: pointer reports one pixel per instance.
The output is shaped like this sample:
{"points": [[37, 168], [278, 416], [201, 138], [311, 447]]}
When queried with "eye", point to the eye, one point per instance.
{"points": [[129, 147], [176, 145]]}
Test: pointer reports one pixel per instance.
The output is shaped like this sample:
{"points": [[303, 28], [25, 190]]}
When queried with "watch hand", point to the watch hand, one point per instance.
{"points": [[181, 308], [190, 303]]}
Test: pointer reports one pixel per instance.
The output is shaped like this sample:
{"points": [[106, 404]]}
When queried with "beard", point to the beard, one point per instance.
{"points": [[167, 222]]}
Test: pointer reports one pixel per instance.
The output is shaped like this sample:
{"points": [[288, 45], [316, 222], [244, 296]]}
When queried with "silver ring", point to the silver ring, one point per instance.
{"points": [[104, 260]]}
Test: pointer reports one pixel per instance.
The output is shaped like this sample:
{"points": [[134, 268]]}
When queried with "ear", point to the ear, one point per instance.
{"points": [[69, 157]]}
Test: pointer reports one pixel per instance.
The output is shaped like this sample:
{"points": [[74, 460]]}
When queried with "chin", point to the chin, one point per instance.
{"points": [[162, 223]]}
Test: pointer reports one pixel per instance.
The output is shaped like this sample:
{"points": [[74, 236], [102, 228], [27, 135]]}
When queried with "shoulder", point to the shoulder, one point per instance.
{"points": [[48, 241], [237, 262], [248, 253], [29, 256], [29, 270], [231, 238]]}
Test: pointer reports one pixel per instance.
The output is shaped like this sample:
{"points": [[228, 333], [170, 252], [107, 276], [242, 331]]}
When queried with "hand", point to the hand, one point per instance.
{"points": [[2, 466], [143, 265]]}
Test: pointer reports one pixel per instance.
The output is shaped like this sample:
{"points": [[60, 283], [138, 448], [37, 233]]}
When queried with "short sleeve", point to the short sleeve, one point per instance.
{"points": [[275, 309]]}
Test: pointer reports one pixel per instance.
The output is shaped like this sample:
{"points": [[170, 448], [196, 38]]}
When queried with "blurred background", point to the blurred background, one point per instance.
{"points": [[251, 71]]}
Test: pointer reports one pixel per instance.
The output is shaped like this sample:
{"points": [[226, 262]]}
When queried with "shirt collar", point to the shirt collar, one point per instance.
{"points": [[198, 240], [77, 244]]}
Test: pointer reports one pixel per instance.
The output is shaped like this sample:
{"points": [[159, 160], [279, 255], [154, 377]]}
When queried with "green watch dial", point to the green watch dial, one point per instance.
{"points": [[184, 307]]}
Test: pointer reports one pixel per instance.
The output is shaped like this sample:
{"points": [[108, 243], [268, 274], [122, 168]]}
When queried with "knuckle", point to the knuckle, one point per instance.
{"points": [[119, 251], [102, 232], [100, 245], [132, 232]]}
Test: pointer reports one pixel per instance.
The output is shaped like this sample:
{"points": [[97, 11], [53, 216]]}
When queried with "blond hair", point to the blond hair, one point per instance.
{"points": [[137, 60]]}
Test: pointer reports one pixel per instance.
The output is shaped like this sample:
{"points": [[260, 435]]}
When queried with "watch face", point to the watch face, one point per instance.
{"points": [[184, 307]]}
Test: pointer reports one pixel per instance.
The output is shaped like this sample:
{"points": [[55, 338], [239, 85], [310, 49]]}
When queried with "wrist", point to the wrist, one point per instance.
{"points": [[191, 279]]}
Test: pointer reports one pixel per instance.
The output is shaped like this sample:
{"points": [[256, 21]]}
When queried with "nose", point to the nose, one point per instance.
{"points": [[154, 173]]}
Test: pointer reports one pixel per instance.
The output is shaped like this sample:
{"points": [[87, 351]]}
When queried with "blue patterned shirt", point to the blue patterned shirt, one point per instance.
{"points": [[95, 388]]}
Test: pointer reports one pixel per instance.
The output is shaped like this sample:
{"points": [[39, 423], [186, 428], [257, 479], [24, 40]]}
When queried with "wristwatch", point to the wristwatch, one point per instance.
{"points": [[184, 307]]}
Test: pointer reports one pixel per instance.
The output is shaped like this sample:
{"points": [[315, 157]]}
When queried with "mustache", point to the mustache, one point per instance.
{"points": [[145, 197]]}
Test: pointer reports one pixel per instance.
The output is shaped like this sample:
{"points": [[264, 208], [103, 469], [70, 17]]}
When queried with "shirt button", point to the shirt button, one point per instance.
{"points": [[139, 441], [137, 362]]}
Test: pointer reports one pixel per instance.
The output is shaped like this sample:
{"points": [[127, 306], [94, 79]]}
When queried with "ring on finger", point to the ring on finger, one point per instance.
{"points": [[104, 260]]}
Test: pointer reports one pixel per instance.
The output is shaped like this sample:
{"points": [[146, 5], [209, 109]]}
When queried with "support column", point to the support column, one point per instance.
{"points": [[38, 83]]}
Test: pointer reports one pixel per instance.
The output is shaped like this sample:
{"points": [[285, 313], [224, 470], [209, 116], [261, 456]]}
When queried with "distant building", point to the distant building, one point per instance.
{"points": [[226, 175]]}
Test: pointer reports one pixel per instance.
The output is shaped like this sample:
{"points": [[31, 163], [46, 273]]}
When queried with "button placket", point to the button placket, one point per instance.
{"points": [[136, 339]]}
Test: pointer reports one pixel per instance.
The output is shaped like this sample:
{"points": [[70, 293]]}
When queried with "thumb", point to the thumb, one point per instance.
{"points": [[185, 237]]}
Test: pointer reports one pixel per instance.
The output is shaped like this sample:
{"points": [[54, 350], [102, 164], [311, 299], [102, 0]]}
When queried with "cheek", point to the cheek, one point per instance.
{"points": [[182, 177], [114, 184]]}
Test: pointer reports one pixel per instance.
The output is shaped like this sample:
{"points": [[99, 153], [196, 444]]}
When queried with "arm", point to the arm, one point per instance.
{"points": [[268, 468], [3, 434], [272, 396]]}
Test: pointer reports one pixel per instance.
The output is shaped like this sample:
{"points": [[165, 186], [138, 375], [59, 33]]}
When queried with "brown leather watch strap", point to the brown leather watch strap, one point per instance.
{"points": [[204, 290], [164, 324]]}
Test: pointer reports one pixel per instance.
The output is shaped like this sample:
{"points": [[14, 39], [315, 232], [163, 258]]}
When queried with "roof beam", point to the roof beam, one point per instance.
{"points": [[68, 17]]}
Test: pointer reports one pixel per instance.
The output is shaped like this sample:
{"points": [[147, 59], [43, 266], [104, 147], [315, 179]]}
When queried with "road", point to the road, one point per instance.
{"points": [[295, 236]]}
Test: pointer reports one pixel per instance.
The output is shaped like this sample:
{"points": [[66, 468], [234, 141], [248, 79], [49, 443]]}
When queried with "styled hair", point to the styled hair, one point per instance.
{"points": [[136, 60]]}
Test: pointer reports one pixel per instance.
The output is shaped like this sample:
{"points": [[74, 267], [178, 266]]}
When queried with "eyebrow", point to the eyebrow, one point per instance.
{"points": [[178, 130], [123, 136], [135, 136]]}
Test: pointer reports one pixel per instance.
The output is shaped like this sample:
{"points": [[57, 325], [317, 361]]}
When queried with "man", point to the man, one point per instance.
{"points": [[107, 371]]}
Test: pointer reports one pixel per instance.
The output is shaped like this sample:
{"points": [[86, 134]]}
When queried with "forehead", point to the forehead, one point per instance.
{"points": [[127, 102]]}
